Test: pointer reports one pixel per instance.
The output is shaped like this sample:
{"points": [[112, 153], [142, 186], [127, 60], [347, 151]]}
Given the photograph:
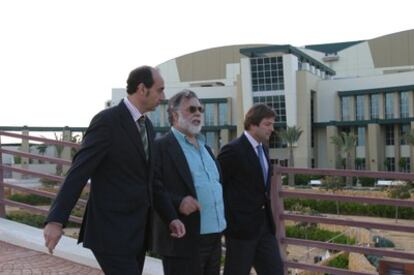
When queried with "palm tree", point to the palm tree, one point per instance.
{"points": [[409, 137], [346, 143], [401, 192], [291, 136]]}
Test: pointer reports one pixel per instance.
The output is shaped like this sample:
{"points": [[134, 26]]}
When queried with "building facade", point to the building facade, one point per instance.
{"points": [[363, 87]]}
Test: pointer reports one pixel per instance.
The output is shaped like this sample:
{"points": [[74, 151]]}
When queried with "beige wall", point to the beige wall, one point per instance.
{"points": [[331, 151], [393, 50], [208, 64], [305, 83], [373, 161]]}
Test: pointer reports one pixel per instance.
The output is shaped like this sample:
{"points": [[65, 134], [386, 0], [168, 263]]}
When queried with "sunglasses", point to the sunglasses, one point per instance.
{"points": [[193, 109]]}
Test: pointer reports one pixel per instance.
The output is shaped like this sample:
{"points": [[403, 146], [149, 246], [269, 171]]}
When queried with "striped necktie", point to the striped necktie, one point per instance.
{"points": [[262, 163], [143, 134]]}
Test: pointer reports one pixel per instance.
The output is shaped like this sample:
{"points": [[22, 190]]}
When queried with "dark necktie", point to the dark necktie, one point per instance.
{"points": [[261, 159], [143, 134]]}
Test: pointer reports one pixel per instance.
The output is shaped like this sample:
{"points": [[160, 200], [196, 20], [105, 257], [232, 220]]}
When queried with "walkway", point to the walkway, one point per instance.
{"points": [[22, 251], [19, 260]]}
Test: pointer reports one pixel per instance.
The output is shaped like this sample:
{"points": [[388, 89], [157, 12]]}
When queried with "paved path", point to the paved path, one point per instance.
{"points": [[17, 260]]}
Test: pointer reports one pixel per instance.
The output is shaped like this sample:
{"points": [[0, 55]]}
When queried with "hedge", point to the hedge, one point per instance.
{"points": [[31, 199], [317, 234], [350, 208]]}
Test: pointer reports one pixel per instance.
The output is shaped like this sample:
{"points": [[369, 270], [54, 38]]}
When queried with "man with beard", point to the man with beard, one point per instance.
{"points": [[250, 236], [189, 172]]}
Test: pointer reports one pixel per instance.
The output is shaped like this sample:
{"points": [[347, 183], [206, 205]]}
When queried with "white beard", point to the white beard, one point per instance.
{"points": [[187, 125]]}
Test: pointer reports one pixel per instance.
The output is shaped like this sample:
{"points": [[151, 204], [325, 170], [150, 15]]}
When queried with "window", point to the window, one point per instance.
{"points": [[211, 139], [389, 105], [404, 164], [374, 106], [209, 114], [345, 104], [360, 107], [267, 74], [404, 129], [361, 136], [275, 141], [404, 104], [223, 114], [389, 135], [360, 164], [155, 116], [390, 164], [277, 103]]}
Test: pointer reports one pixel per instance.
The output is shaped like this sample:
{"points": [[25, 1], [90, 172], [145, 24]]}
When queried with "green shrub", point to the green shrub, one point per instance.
{"points": [[32, 219], [351, 208], [374, 260], [27, 218], [31, 199], [317, 234], [382, 242], [339, 262], [364, 181]]}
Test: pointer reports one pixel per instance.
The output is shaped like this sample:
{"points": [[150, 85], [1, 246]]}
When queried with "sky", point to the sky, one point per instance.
{"points": [[59, 59]]}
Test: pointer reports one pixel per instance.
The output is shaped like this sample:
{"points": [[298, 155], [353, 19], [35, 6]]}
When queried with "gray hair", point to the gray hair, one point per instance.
{"points": [[175, 102]]}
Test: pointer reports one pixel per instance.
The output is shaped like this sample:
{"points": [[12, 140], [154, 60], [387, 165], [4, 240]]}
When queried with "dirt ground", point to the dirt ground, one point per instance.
{"points": [[403, 241]]}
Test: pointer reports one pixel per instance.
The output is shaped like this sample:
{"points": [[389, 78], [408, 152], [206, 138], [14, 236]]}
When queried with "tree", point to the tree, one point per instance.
{"points": [[346, 143], [291, 136], [409, 137], [333, 183], [399, 192]]}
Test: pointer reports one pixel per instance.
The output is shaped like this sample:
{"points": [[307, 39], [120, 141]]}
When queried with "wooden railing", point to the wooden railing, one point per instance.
{"points": [[281, 215], [278, 194], [6, 202]]}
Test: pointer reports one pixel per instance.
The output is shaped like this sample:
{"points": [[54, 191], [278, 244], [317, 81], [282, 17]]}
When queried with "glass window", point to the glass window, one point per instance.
{"points": [[209, 114], [374, 106], [275, 141], [345, 104], [155, 117], [390, 164], [389, 135], [211, 139], [404, 129], [277, 103], [361, 136], [404, 104], [223, 114], [360, 107], [267, 73], [389, 105], [360, 164], [405, 164]]}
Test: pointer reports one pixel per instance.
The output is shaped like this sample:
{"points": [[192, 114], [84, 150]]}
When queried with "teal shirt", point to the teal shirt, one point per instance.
{"points": [[206, 181]]}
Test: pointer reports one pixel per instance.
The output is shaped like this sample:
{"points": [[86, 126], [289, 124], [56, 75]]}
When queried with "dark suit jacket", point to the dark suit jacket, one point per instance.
{"points": [[112, 156], [172, 171], [246, 197]]}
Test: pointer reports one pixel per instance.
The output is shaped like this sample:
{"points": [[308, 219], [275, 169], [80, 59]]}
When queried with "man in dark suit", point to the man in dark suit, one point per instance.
{"points": [[190, 174], [116, 156], [246, 170]]}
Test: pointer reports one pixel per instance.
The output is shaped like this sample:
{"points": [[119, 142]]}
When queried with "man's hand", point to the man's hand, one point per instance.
{"points": [[52, 234], [189, 205], [177, 228]]}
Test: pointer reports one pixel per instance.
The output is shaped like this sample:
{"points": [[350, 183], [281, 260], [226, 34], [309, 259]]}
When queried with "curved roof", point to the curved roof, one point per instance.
{"points": [[393, 50]]}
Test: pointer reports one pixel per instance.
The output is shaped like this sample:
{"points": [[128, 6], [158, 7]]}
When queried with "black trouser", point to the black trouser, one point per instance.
{"points": [[120, 264], [262, 253], [206, 262]]}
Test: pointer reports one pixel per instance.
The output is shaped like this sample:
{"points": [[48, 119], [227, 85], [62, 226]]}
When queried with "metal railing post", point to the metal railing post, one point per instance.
{"points": [[25, 147], [2, 205], [278, 210]]}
